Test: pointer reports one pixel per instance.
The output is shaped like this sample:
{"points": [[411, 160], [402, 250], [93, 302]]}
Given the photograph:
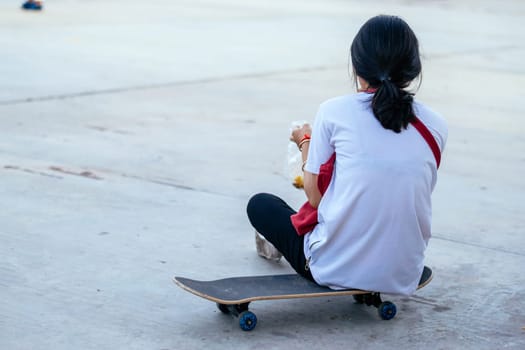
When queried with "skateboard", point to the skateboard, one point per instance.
{"points": [[233, 295]]}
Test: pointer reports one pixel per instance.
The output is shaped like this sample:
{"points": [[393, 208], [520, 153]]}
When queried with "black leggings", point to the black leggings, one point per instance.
{"points": [[270, 216]]}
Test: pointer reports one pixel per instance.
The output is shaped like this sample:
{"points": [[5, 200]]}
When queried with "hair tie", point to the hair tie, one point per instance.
{"points": [[384, 78]]}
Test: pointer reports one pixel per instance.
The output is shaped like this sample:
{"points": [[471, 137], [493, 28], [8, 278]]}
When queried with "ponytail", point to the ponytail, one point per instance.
{"points": [[385, 53], [392, 106]]}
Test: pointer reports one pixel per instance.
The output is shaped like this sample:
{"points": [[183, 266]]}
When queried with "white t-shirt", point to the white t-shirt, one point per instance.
{"points": [[375, 217]]}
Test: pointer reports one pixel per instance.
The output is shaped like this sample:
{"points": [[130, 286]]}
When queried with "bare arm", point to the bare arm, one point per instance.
{"points": [[310, 180]]}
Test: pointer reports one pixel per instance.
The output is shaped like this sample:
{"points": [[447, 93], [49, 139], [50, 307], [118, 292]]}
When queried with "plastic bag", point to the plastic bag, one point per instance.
{"points": [[294, 159]]}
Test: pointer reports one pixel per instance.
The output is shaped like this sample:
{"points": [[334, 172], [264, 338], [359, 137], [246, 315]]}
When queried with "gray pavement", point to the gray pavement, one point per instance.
{"points": [[134, 132]]}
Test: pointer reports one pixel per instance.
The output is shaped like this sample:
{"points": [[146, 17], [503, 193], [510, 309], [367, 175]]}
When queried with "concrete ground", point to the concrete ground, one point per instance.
{"points": [[134, 132]]}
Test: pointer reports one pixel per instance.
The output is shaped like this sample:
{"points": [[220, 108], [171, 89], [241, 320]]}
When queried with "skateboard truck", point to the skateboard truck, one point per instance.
{"points": [[247, 319], [386, 309]]}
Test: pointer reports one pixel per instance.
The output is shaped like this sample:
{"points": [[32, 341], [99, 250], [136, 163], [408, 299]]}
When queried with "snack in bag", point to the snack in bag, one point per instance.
{"points": [[294, 159]]}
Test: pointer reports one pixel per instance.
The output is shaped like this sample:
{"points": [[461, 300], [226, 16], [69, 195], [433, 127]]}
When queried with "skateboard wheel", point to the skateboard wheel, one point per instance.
{"points": [[387, 310], [247, 320], [223, 308]]}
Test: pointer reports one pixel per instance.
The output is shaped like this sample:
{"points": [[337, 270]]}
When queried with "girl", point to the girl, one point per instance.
{"points": [[370, 165]]}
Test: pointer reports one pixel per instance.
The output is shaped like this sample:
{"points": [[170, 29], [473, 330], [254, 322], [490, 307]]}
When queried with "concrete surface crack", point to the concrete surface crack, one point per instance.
{"points": [[476, 51], [30, 171], [164, 85], [85, 173], [88, 174], [175, 185], [501, 250], [159, 182]]}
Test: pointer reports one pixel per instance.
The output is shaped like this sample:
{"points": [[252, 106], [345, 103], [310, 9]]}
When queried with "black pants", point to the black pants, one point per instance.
{"points": [[270, 216]]}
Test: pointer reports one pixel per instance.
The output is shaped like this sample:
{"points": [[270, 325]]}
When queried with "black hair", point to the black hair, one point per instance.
{"points": [[385, 53]]}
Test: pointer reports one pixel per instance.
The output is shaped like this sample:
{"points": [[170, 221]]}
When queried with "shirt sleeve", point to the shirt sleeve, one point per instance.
{"points": [[321, 148], [440, 133]]}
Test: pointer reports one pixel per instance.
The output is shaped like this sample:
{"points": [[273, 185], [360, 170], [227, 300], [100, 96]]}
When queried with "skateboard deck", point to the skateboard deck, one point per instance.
{"points": [[233, 295]]}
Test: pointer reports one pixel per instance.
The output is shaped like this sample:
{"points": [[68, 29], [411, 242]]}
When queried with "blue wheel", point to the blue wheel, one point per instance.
{"points": [[247, 320], [387, 310]]}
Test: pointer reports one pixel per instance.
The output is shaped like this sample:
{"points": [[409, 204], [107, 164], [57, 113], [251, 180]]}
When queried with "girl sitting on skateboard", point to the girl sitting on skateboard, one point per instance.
{"points": [[370, 165]]}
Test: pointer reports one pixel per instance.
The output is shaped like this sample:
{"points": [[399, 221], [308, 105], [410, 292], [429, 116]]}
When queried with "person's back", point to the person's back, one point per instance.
{"points": [[374, 219]]}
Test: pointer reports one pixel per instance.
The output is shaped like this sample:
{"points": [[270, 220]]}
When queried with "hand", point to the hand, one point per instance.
{"points": [[299, 132]]}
